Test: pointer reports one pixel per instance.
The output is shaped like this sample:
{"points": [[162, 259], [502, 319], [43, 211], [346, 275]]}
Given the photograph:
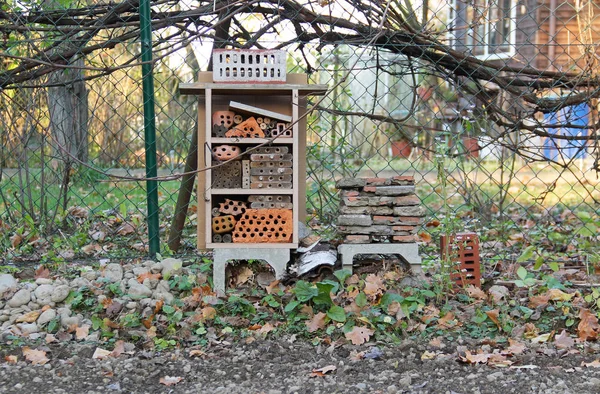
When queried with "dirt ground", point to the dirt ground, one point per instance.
{"points": [[282, 366]]}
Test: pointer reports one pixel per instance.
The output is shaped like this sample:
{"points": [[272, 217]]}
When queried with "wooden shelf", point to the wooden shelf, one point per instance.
{"points": [[236, 89], [250, 191], [252, 246], [257, 141]]}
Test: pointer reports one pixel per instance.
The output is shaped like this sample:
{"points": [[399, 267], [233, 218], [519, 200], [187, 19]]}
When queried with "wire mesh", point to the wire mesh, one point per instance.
{"points": [[492, 106]]}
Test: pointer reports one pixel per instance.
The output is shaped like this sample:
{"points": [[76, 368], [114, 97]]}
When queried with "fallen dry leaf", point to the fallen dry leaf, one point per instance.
{"points": [[196, 353], [498, 360], [427, 355], [100, 354], [29, 317], [243, 275], [119, 348], [530, 331], [82, 332], [148, 275], [318, 372], [475, 292], [593, 364], [564, 340], [448, 321], [543, 338], [273, 287], [559, 295], [359, 335], [16, 240], [317, 322], [436, 342], [50, 338], [91, 248], [170, 380], [126, 229], [373, 286], [425, 237], [42, 272], [209, 313], [474, 358], [498, 293], [494, 316], [36, 357], [539, 301], [11, 359], [516, 347], [266, 328], [588, 325]]}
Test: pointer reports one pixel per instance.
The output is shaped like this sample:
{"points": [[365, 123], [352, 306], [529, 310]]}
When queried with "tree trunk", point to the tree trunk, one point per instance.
{"points": [[68, 106]]}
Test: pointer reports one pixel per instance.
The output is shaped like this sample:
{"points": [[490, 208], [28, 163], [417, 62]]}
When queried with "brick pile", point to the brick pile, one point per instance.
{"points": [[379, 210]]}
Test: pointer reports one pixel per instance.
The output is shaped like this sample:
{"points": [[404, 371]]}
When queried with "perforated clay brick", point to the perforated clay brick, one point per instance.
{"points": [[231, 207], [247, 129], [223, 224], [463, 249], [264, 226]]}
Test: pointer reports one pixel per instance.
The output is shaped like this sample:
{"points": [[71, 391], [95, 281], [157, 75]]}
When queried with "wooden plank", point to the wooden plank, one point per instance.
{"points": [[252, 110], [265, 245], [250, 191], [256, 141], [252, 89]]}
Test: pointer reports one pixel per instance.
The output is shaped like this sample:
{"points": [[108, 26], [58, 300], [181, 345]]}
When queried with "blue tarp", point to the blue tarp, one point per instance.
{"points": [[558, 149]]}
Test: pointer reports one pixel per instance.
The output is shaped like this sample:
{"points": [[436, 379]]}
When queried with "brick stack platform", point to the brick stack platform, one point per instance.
{"points": [[379, 210]]}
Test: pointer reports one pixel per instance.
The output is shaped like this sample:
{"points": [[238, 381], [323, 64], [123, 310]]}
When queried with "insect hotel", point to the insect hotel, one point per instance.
{"points": [[252, 134]]}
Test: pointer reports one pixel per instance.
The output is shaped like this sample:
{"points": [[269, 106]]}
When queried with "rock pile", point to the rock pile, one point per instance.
{"points": [[379, 210], [28, 308]]}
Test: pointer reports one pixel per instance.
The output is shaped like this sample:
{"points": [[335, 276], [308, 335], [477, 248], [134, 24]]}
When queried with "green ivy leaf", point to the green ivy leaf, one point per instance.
{"points": [[342, 275], [323, 294], [305, 291], [168, 309], [387, 299], [291, 306], [361, 299], [527, 254], [337, 313], [522, 273]]}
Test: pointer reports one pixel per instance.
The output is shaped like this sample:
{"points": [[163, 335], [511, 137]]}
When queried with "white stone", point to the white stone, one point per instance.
{"points": [[20, 298], [7, 283], [70, 320], [113, 272], [28, 328], [138, 290], [137, 271], [162, 292], [43, 281], [171, 266], [43, 294], [89, 274], [60, 293], [46, 316]]}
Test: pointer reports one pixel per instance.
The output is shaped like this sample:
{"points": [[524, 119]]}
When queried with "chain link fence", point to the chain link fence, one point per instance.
{"points": [[492, 106]]}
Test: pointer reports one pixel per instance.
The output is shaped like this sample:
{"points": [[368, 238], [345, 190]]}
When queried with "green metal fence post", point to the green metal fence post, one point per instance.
{"points": [[149, 127]]}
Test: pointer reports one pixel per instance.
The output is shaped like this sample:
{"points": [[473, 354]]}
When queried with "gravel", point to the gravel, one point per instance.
{"points": [[278, 366]]}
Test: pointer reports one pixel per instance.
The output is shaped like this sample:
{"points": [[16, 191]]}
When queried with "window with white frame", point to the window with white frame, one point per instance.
{"points": [[485, 28]]}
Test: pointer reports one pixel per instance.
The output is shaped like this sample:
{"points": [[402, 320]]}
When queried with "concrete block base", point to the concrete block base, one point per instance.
{"points": [[276, 258], [410, 252]]}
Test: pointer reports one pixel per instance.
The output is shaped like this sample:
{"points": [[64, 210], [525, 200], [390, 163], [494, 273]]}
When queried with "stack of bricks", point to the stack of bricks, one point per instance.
{"points": [[379, 210]]}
